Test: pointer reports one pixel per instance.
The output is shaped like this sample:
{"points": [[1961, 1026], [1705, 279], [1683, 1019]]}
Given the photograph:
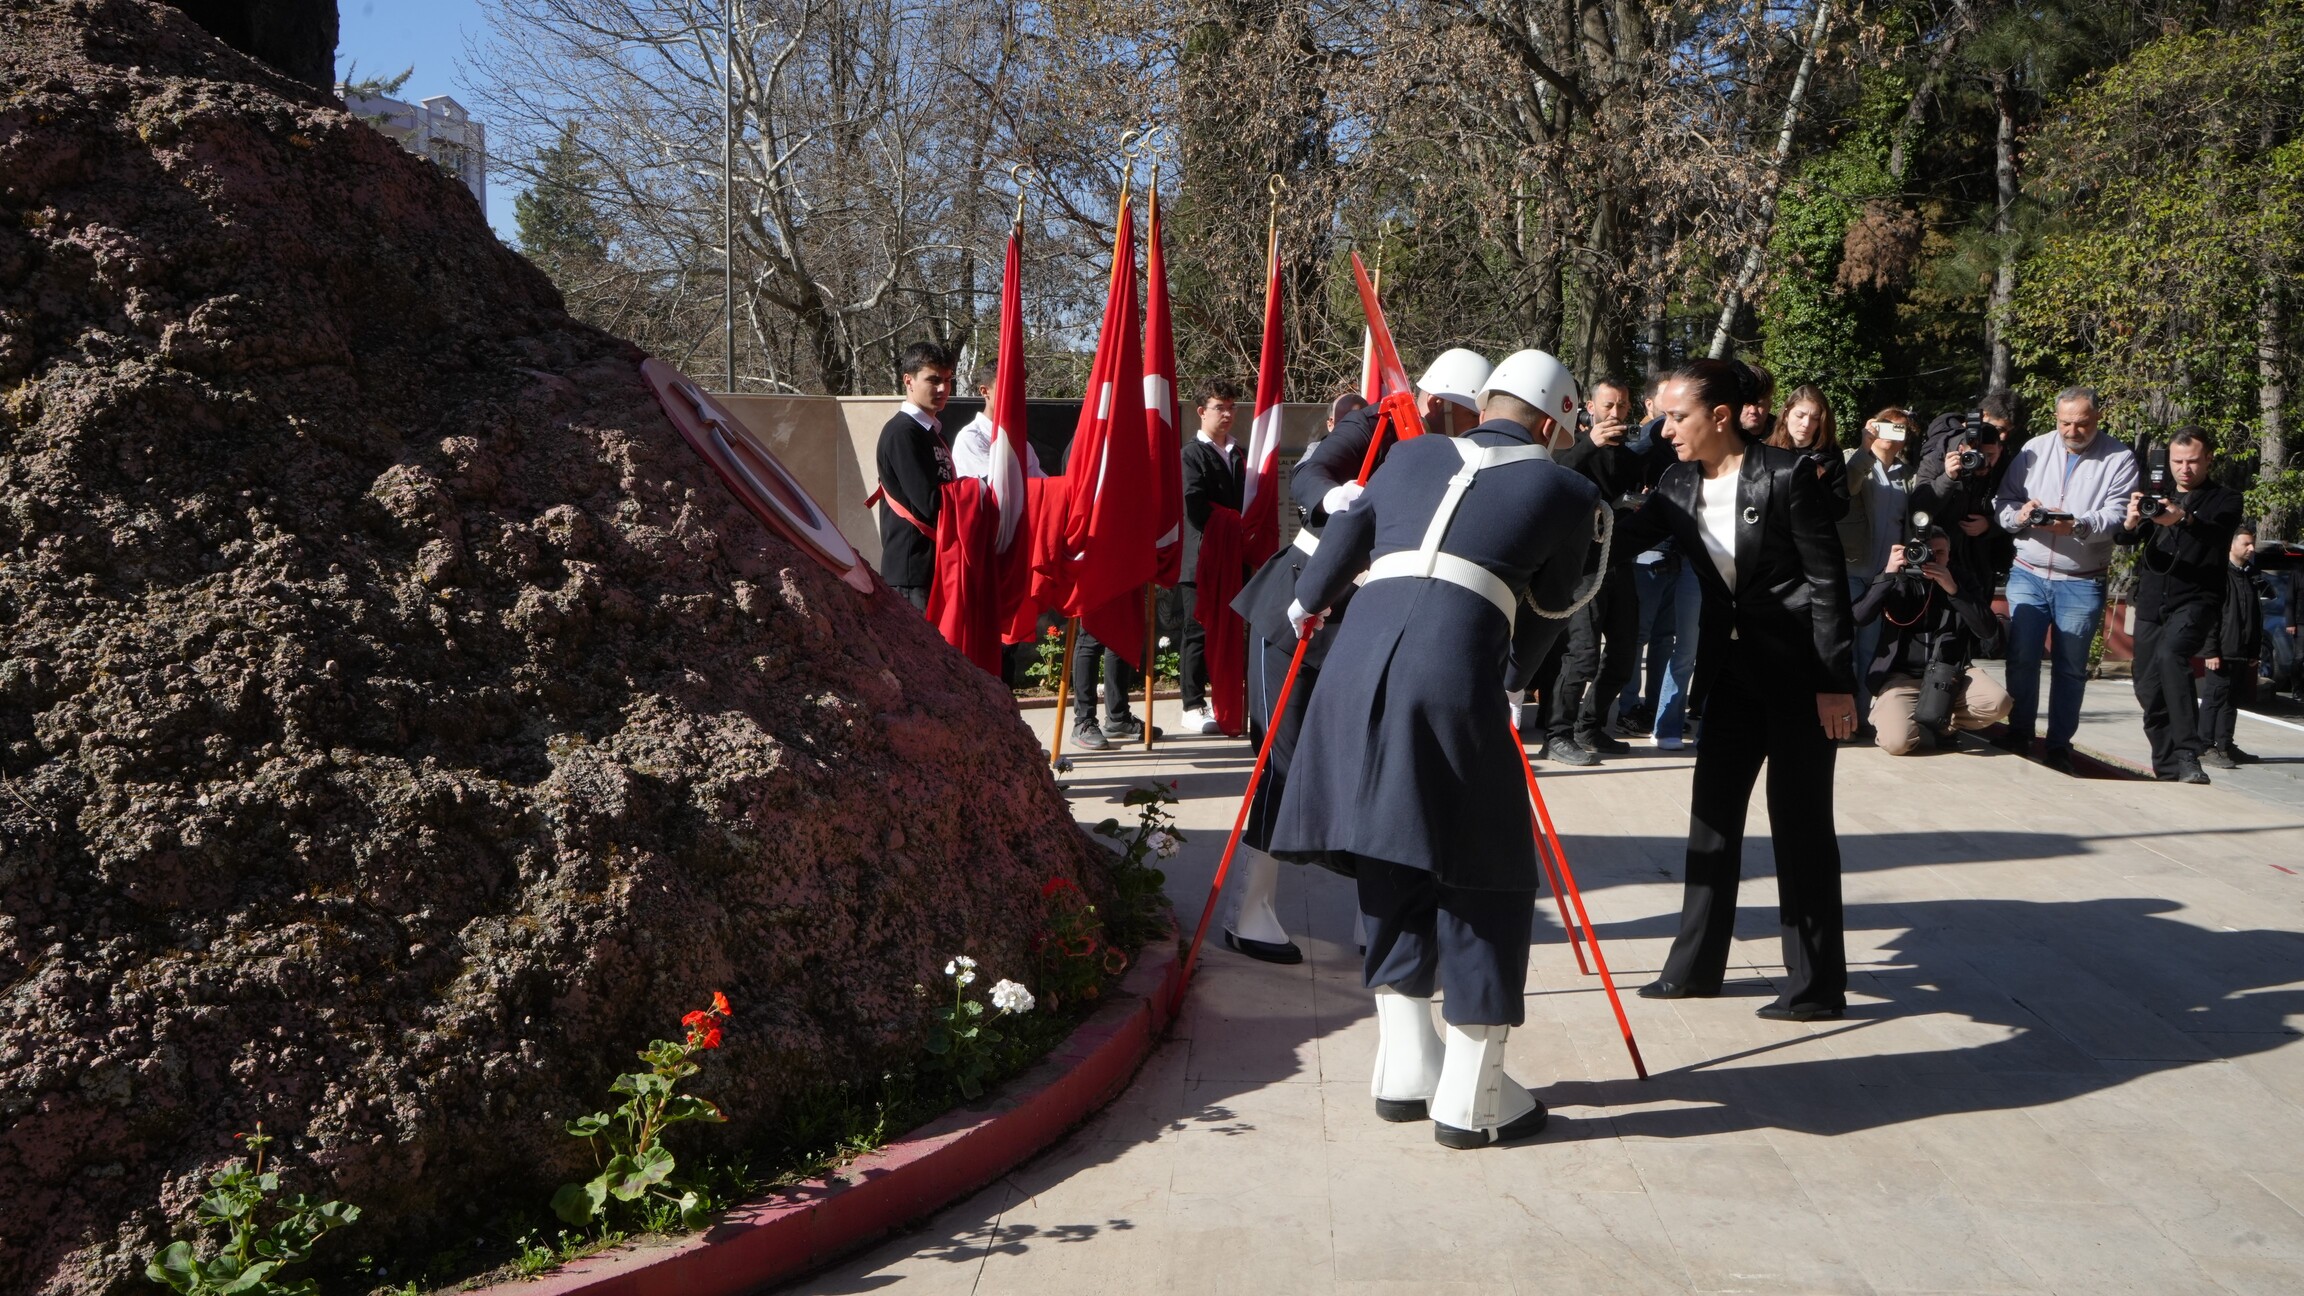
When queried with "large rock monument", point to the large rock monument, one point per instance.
{"points": [[399, 723]]}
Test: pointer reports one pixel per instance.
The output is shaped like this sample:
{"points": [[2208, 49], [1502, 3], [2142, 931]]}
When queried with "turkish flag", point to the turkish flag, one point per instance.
{"points": [[1160, 412], [1397, 401], [1260, 494], [1112, 516]]}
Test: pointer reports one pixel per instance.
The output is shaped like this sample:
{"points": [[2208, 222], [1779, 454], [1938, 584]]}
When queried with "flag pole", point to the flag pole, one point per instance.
{"points": [[1063, 684], [1576, 897]]}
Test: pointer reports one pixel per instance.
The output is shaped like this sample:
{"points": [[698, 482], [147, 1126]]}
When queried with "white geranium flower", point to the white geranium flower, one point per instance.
{"points": [[1009, 997], [950, 968], [1162, 844], [1163, 641], [966, 978], [966, 963]]}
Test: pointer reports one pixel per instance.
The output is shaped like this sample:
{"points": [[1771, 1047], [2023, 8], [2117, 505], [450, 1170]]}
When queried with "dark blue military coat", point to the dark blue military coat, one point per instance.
{"points": [[1408, 752]]}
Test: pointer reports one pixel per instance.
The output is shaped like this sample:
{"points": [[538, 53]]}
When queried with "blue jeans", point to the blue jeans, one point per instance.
{"points": [[1685, 605], [1649, 582], [1863, 643], [2064, 613]]}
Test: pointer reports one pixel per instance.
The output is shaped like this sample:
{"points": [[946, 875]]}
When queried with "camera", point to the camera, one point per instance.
{"points": [[1915, 547], [1584, 421], [1974, 435], [2156, 484]]}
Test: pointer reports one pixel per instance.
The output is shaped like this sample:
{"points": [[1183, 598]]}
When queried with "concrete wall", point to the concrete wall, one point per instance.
{"points": [[828, 442]]}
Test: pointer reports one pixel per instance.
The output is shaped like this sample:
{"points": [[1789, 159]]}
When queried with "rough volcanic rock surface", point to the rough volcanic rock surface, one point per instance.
{"points": [[399, 724]]}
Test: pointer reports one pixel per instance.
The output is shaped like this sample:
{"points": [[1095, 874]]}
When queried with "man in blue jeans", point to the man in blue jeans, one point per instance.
{"points": [[2064, 496]]}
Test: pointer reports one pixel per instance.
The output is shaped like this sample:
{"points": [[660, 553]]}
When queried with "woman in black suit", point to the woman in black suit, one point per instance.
{"points": [[1772, 664]]}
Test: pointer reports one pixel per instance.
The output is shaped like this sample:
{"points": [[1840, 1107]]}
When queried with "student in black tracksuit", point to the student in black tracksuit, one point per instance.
{"points": [[2179, 595], [2235, 644], [1215, 466], [914, 459], [1773, 666]]}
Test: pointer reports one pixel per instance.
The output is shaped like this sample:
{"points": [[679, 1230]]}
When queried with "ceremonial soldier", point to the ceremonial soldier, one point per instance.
{"points": [[1325, 483], [1408, 772]]}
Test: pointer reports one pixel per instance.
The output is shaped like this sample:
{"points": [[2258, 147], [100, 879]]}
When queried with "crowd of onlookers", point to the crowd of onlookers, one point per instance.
{"points": [[1961, 542]]}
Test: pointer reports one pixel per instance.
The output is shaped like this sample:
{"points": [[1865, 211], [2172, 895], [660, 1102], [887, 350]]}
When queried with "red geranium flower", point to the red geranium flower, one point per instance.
{"points": [[720, 1004], [1054, 885], [697, 1019]]}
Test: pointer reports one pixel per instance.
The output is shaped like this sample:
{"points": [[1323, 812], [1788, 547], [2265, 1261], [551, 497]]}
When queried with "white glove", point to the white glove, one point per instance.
{"points": [[1339, 498], [1307, 623]]}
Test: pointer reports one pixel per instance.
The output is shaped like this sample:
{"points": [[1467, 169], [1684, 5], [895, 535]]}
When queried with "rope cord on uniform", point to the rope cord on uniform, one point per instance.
{"points": [[1605, 527]]}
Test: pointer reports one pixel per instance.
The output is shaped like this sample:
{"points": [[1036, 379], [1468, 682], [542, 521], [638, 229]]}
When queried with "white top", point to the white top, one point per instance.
{"points": [[923, 417], [1716, 518], [972, 451]]}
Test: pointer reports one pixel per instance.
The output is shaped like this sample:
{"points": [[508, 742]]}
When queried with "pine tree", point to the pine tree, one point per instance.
{"points": [[556, 221]]}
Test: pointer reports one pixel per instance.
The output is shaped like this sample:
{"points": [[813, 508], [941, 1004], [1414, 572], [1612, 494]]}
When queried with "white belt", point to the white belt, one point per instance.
{"points": [[1435, 563], [1307, 541], [1450, 568]]}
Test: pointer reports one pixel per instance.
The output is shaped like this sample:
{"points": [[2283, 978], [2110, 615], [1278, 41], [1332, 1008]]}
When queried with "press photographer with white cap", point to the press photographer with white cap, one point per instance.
{"points": [[1406, 775], [1325, 483]]}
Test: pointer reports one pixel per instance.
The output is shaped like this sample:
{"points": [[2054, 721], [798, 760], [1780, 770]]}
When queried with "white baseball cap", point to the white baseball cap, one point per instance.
{"points": [[1456, 377]]}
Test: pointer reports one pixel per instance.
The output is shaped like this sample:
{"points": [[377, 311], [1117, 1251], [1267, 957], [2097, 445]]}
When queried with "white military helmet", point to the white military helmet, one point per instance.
{"points": [[1540, 380], [1456, 377]]}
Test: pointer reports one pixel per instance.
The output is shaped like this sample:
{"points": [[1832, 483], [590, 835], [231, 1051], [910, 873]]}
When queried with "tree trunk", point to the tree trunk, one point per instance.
{"points": [[1997, 366], [1900, 149], [1749, 273], [2271, 396]]}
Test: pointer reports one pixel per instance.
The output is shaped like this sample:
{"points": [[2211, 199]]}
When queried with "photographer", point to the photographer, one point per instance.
{"points": [[1603, 636], [2184, 524], [1961, 462], [1931, 623], [1879, 476]]}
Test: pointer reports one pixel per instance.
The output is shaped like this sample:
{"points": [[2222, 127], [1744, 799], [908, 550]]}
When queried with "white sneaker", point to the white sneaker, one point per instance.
{"points": [[1201, 720]]}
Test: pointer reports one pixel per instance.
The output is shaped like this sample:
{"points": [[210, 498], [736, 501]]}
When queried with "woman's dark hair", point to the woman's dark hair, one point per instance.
{"points": [[1722, 382]]}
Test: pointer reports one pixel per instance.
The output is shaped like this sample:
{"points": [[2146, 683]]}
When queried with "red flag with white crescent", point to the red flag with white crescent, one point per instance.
{"points": [[1260, 494], [1383, 357], [1109, 529], [1160, 413], [1009, 450]]}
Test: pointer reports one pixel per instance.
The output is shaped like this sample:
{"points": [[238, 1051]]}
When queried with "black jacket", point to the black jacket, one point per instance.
{"points": [[914, 464], [1786, 621], [1924, 624], [1263, 601], [1212, 479], [2237, 633], [1618, 471], [2184, 564]]}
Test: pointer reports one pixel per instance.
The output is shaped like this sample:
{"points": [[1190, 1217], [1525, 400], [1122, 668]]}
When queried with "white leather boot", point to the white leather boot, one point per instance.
{"points": [[1408, 1056], [1255, 928], [1475, 1103]]}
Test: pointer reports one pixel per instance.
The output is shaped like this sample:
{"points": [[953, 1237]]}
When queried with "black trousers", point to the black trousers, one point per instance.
{"points": [[1603, 652], [1119, 679], [1191, 651], [916, 595], [2164, 652], [1425, 935], [1267, 667], [1744, 727], [2223, 691]]}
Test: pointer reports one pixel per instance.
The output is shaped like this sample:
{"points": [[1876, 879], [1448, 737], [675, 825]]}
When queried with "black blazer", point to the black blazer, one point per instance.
{"points": [[1786, 623], [914, 464], [1212, 479]]}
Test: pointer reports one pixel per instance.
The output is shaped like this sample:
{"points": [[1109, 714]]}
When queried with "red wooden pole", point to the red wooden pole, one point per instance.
{"points": [[1576, 897]]}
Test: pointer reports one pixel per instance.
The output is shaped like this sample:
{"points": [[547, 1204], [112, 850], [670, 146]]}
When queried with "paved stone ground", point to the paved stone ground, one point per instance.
{"points": [[2072, 1065]]}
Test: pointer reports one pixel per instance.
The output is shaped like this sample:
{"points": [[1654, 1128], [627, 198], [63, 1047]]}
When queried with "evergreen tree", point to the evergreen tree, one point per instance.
{"points": [[556, 221]]}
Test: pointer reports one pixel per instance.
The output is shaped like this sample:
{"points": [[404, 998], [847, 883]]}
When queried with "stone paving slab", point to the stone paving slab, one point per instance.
{"points": [[2072, 1065]]}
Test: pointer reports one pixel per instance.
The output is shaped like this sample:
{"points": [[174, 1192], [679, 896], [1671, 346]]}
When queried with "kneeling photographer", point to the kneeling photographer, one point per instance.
{"points": [[1934, 623]]}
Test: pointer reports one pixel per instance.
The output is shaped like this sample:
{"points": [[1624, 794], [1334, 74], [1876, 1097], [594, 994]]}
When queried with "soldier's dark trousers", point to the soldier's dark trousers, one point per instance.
{"points": [[1267, 667], [1424, 935], [1744, 727]]}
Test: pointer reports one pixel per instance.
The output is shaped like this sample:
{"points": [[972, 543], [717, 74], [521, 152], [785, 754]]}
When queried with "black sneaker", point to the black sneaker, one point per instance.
{"points": [[1602, 743], [2059, 759], [1641, 721], [1088, 737], [2218, 758], [1128, 728], [2233, 753], [2188, 769], [1568, 751], [2012, 741]]}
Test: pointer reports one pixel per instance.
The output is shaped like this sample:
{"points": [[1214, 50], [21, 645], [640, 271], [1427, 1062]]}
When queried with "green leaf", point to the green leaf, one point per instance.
{"points": [[578, 1203], [588, 1126], [939, 1044], [683, 1107], [693, 1214], [173, 1266], [641, 1084], [1108, 828], [250, 1280], [628, 1177]]}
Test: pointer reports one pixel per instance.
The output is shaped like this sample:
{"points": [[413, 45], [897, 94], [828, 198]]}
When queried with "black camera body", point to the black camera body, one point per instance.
{"points": [[2157, 482], [1915, 546], [1974, 435]]}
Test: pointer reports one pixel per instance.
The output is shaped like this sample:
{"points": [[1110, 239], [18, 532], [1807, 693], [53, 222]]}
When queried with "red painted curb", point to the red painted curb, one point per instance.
{"points": [[754, 1247]]}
